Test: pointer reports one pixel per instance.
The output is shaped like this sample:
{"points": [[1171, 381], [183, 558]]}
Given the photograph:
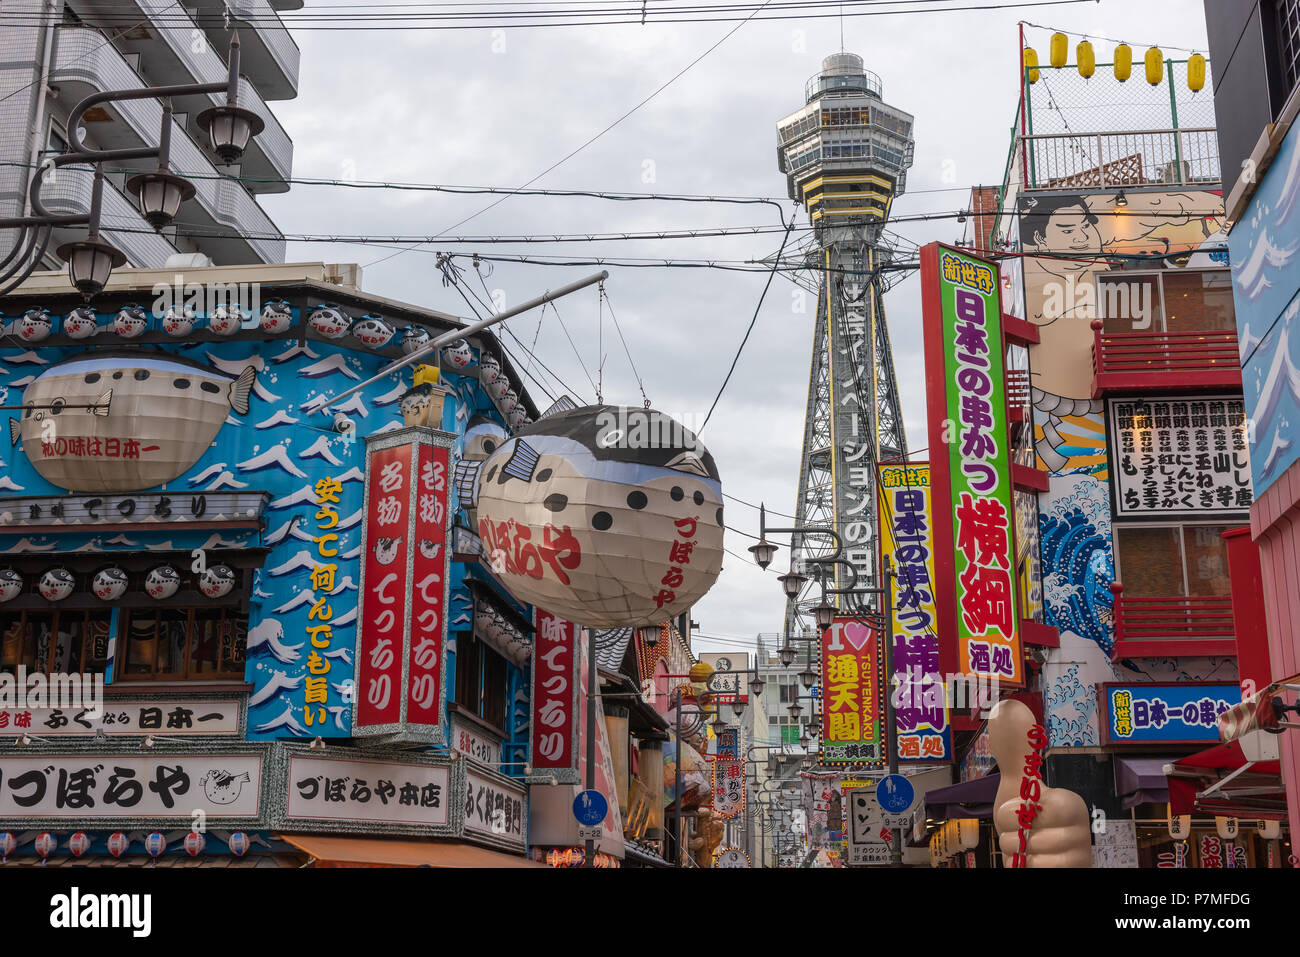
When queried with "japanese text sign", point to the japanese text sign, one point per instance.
{"points": [[971, 479], [555, 696], [907, 540], [1183, 713], [402, 631], [1180, 455], [852, 703]]}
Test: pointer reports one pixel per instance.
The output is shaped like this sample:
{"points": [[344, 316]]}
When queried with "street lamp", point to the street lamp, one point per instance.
{"points": [[160, 192], [786, 654], [756, 685], [808, 677], [649, 636], [763, 552], [738, 706], [792, 582], [825, 614]]}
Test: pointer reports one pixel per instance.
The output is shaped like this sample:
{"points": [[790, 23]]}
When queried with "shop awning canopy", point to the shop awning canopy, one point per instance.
{"points": [[330, 850], [968, 799], [1141, 781], [1224, 782]]}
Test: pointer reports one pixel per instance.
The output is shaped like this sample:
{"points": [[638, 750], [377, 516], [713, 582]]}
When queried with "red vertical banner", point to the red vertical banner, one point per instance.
{"points": [[429, 589], [555, 697], [384, 568]]}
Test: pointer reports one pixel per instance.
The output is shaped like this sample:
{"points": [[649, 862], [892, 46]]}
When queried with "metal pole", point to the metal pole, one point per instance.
{"points": [[891, 720], [590, 859], [467, 331], [677, 788]]}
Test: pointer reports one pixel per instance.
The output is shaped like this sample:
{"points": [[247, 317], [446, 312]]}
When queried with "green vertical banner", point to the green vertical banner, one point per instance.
{"points": [[979, 623]]}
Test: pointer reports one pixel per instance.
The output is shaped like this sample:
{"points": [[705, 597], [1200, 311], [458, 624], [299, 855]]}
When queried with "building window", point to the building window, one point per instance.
{"points": [[54, 641], [1176, 300], [161, 644], [1288, 41], [482, 680], [1159, 561]]}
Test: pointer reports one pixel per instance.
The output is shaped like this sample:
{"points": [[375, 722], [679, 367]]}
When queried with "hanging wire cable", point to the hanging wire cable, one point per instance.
{"points": [[645, 400], [735, 359], [568, 156]]}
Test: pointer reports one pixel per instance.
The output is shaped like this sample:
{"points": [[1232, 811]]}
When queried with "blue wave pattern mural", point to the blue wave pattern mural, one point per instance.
{"points": [[282, 448], [1265, 256], [1078, 566]]}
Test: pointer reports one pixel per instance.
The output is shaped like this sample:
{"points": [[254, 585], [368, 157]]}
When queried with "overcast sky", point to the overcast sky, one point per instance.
{"points": [[478, 108]]}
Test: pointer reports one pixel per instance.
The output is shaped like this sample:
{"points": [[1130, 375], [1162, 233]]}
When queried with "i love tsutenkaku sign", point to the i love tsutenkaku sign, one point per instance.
{"points": [[852, 705], [970, 466]]}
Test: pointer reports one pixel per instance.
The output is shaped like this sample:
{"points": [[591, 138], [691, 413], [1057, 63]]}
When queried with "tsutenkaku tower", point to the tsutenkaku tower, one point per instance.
{"points": [[845, 154]]}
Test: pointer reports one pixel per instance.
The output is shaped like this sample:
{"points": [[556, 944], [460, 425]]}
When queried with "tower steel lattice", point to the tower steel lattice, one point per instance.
{"points": [[845, 154]]}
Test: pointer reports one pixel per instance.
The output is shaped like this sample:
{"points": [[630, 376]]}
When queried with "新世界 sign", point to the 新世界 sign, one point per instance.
{"points": [[971, 466]]}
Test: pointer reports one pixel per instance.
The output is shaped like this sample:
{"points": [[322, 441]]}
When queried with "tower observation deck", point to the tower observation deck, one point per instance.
{"points": [[845, 155]]}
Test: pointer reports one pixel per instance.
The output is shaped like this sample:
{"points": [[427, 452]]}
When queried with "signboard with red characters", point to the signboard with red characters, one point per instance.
{"points": [[401, 631], [429, 595], [555, 698]]}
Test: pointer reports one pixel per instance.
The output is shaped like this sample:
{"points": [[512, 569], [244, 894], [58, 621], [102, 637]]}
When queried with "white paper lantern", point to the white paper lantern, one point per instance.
{"points": [[217, 581], [178, 322], [606, 516], [162, 582], [34, 326], [131, 322], [456, 356], [414, 338], [46, 844], [1180, 826], [277, 316], [11, 584], [109, 584], [509, 402], [194, 843], [1227, 827], [373, 331], [329, 321], [56, 584], [155, 844], [79, 843], [1269, 830], [154, 415], [118, 843], [497, 386], [225, 320], [81, 323], [488, 368]]}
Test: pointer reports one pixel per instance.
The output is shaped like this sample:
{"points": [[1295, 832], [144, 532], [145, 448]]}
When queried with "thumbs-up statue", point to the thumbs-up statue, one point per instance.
{"points": [[1037, 826]]}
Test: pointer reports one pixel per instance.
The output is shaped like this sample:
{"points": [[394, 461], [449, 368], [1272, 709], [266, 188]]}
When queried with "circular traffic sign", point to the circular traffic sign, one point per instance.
{"points": [[590, 808], [895, 793]]}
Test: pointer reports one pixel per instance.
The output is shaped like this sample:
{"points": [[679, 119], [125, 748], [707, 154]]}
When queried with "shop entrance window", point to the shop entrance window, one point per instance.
{"points": [[166, 644], [53, 642], [1172, 300], [482, 681]]}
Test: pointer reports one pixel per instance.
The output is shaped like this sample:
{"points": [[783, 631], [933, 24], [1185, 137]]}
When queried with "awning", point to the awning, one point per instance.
{"points": [[331, 851], [1141, 781], [968, 799], [1223, 782]]}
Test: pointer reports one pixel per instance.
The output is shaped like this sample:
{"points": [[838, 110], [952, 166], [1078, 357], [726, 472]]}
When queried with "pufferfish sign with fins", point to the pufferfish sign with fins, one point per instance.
{"points": [[124, 421], [605, 515]]}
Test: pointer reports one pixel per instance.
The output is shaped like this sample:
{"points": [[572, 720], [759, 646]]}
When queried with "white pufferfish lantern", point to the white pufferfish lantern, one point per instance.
{"points": [[607, 516]]}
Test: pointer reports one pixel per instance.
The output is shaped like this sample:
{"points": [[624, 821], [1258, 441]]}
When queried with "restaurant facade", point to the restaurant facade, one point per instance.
{"points": [[306, 657]]}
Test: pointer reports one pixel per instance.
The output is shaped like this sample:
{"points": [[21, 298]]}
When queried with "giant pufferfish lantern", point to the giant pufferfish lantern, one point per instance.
{"points": [[607, 516]]}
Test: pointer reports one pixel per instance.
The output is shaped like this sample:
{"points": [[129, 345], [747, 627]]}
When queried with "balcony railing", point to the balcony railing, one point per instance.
{"points": [[1183, 157], [85, 63], [1172, 625], [1163, 361]]}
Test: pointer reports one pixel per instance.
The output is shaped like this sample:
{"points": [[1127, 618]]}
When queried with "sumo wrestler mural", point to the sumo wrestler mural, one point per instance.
{"points": [[1072, 241]]}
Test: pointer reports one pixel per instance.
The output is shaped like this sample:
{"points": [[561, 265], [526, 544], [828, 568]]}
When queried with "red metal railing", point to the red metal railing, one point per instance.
{"points": [[1172, 624], [1163, 361]]}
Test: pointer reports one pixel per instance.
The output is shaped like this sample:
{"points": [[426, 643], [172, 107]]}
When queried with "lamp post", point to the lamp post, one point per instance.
{"points": [[160, 193], [764, 552]]}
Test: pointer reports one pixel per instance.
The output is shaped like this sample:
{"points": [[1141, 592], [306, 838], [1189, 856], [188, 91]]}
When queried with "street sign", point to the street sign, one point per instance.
{"points": [[895, 794], [865, 824], [593, 833], [590, 807]]}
